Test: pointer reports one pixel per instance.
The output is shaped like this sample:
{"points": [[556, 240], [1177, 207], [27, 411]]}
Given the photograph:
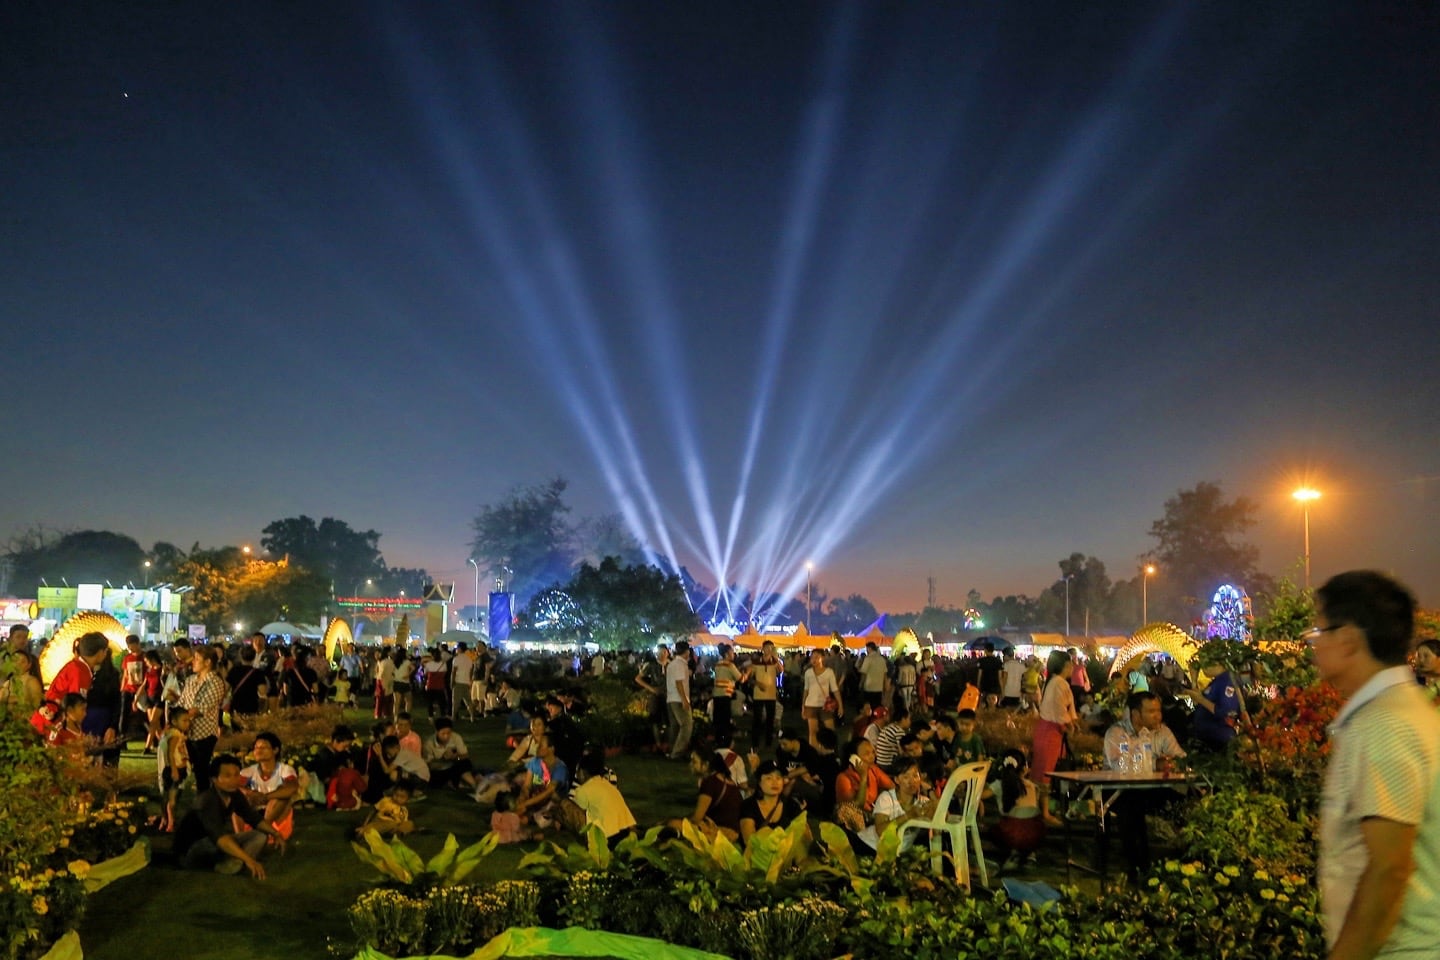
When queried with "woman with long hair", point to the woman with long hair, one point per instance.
{"points": [[1019, 830], [1057, 718]]}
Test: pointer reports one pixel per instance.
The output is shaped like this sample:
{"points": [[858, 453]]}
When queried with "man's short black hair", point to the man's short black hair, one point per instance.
{"points": [[342, 734], [790, 733], [390, 741], [1139, 698], [223, 760], [443, 723], [966, 714], [1381, 607], [268, 737], [826, 738], [945, 720]]}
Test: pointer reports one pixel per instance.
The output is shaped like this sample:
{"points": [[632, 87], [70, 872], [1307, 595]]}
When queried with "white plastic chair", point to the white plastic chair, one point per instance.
{"points": [[961, 828]]}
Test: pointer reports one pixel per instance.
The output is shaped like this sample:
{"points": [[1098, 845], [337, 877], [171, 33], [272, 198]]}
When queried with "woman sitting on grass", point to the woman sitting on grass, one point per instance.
{"points": [[717, 807]]}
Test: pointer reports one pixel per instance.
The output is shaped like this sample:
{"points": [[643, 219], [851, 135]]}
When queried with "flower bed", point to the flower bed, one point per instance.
{"points": [[780, 896]]}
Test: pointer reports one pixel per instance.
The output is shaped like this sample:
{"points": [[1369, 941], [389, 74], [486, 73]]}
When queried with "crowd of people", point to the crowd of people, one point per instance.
{"points": [[864, 740]]}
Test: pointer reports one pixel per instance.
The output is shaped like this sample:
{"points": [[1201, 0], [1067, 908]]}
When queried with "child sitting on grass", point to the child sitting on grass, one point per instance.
{"points": [[391, 815], [507, 824]]}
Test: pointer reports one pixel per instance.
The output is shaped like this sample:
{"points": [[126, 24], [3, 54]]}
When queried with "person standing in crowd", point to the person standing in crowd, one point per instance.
{"points": [[651, 678], [990, 668], [248, 687], [102, 711], [1057, 717], [764, 676], [404, 682], [874, 672], [132, 678], [677, 701], [722, 701], [462, 672], [437, 682], [202, 695], [300, 683], [1380, 805], [821, 691], [1012, 681]]}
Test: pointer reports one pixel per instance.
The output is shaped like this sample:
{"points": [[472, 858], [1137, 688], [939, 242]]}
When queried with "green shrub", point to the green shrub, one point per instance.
{"points": [[1254, 831]]}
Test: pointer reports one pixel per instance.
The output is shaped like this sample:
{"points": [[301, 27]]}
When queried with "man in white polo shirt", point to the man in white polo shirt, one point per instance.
{"points": [[1380, 811]]}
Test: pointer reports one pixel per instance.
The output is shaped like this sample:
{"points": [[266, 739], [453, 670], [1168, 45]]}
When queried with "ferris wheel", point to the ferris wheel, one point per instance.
{"points": [[1229, 616]]}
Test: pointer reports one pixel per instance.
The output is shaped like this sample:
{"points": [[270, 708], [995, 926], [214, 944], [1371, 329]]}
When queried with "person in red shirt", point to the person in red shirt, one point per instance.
{"points": [[67, 732], [74, 677], [132, 678]]}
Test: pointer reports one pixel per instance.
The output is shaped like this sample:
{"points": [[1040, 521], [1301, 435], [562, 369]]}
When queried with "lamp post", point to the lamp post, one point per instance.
{"points": [[809, 572], [147, 574], [474, 620], [1068, 578], [1305, 495], [1146, 574]]}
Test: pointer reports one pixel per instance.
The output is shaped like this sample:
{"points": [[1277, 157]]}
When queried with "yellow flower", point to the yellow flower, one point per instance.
{"points": [[1267, 894], [1261, 875], [79, 868], [1154, 881], [1232, 871], [40, 906], [1281, 898], [1189, 870], [1221, 879], [1172, 865], [132, 828]]}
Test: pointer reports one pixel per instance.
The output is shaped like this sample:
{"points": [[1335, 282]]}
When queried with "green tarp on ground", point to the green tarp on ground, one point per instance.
{"points": [[66, 948], [106, 872], [570, 942]]}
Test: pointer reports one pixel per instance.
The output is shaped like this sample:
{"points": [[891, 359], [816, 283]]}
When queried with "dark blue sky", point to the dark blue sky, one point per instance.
{"points": [[944, 289]]}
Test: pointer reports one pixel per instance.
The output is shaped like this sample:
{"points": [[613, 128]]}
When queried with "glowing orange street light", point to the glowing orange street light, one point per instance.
{"points": [[1148, 571], [1305, 495]]}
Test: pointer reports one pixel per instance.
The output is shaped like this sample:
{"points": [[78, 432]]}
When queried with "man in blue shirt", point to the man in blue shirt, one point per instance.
{"points": [[1217, 709]]}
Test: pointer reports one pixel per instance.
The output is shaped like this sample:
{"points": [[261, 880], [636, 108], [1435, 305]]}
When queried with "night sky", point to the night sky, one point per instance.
{"points": [[945, 289]]}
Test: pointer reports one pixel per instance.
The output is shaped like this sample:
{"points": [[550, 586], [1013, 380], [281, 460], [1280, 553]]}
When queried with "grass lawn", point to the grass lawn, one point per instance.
{"points": [[298, 912]]}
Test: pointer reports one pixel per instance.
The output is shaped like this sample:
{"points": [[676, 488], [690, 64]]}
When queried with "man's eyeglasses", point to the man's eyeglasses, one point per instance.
{"points": [[1315, 633]]}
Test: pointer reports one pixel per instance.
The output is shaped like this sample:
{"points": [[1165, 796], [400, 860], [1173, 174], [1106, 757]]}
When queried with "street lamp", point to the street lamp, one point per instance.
{"points": [[147, 574], [1305, 495], [1148, 572], [809, 573], [1068, 578], [474, 620]]}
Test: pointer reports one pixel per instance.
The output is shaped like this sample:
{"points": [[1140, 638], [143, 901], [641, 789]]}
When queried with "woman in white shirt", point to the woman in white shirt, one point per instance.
{"points": [[820, 687], [1057, 717]]}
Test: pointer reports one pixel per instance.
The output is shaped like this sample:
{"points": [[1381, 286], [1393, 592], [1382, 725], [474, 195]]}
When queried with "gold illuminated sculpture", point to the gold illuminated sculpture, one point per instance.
{"points": [[337, 633], [1154, 638], [61, 648]]}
